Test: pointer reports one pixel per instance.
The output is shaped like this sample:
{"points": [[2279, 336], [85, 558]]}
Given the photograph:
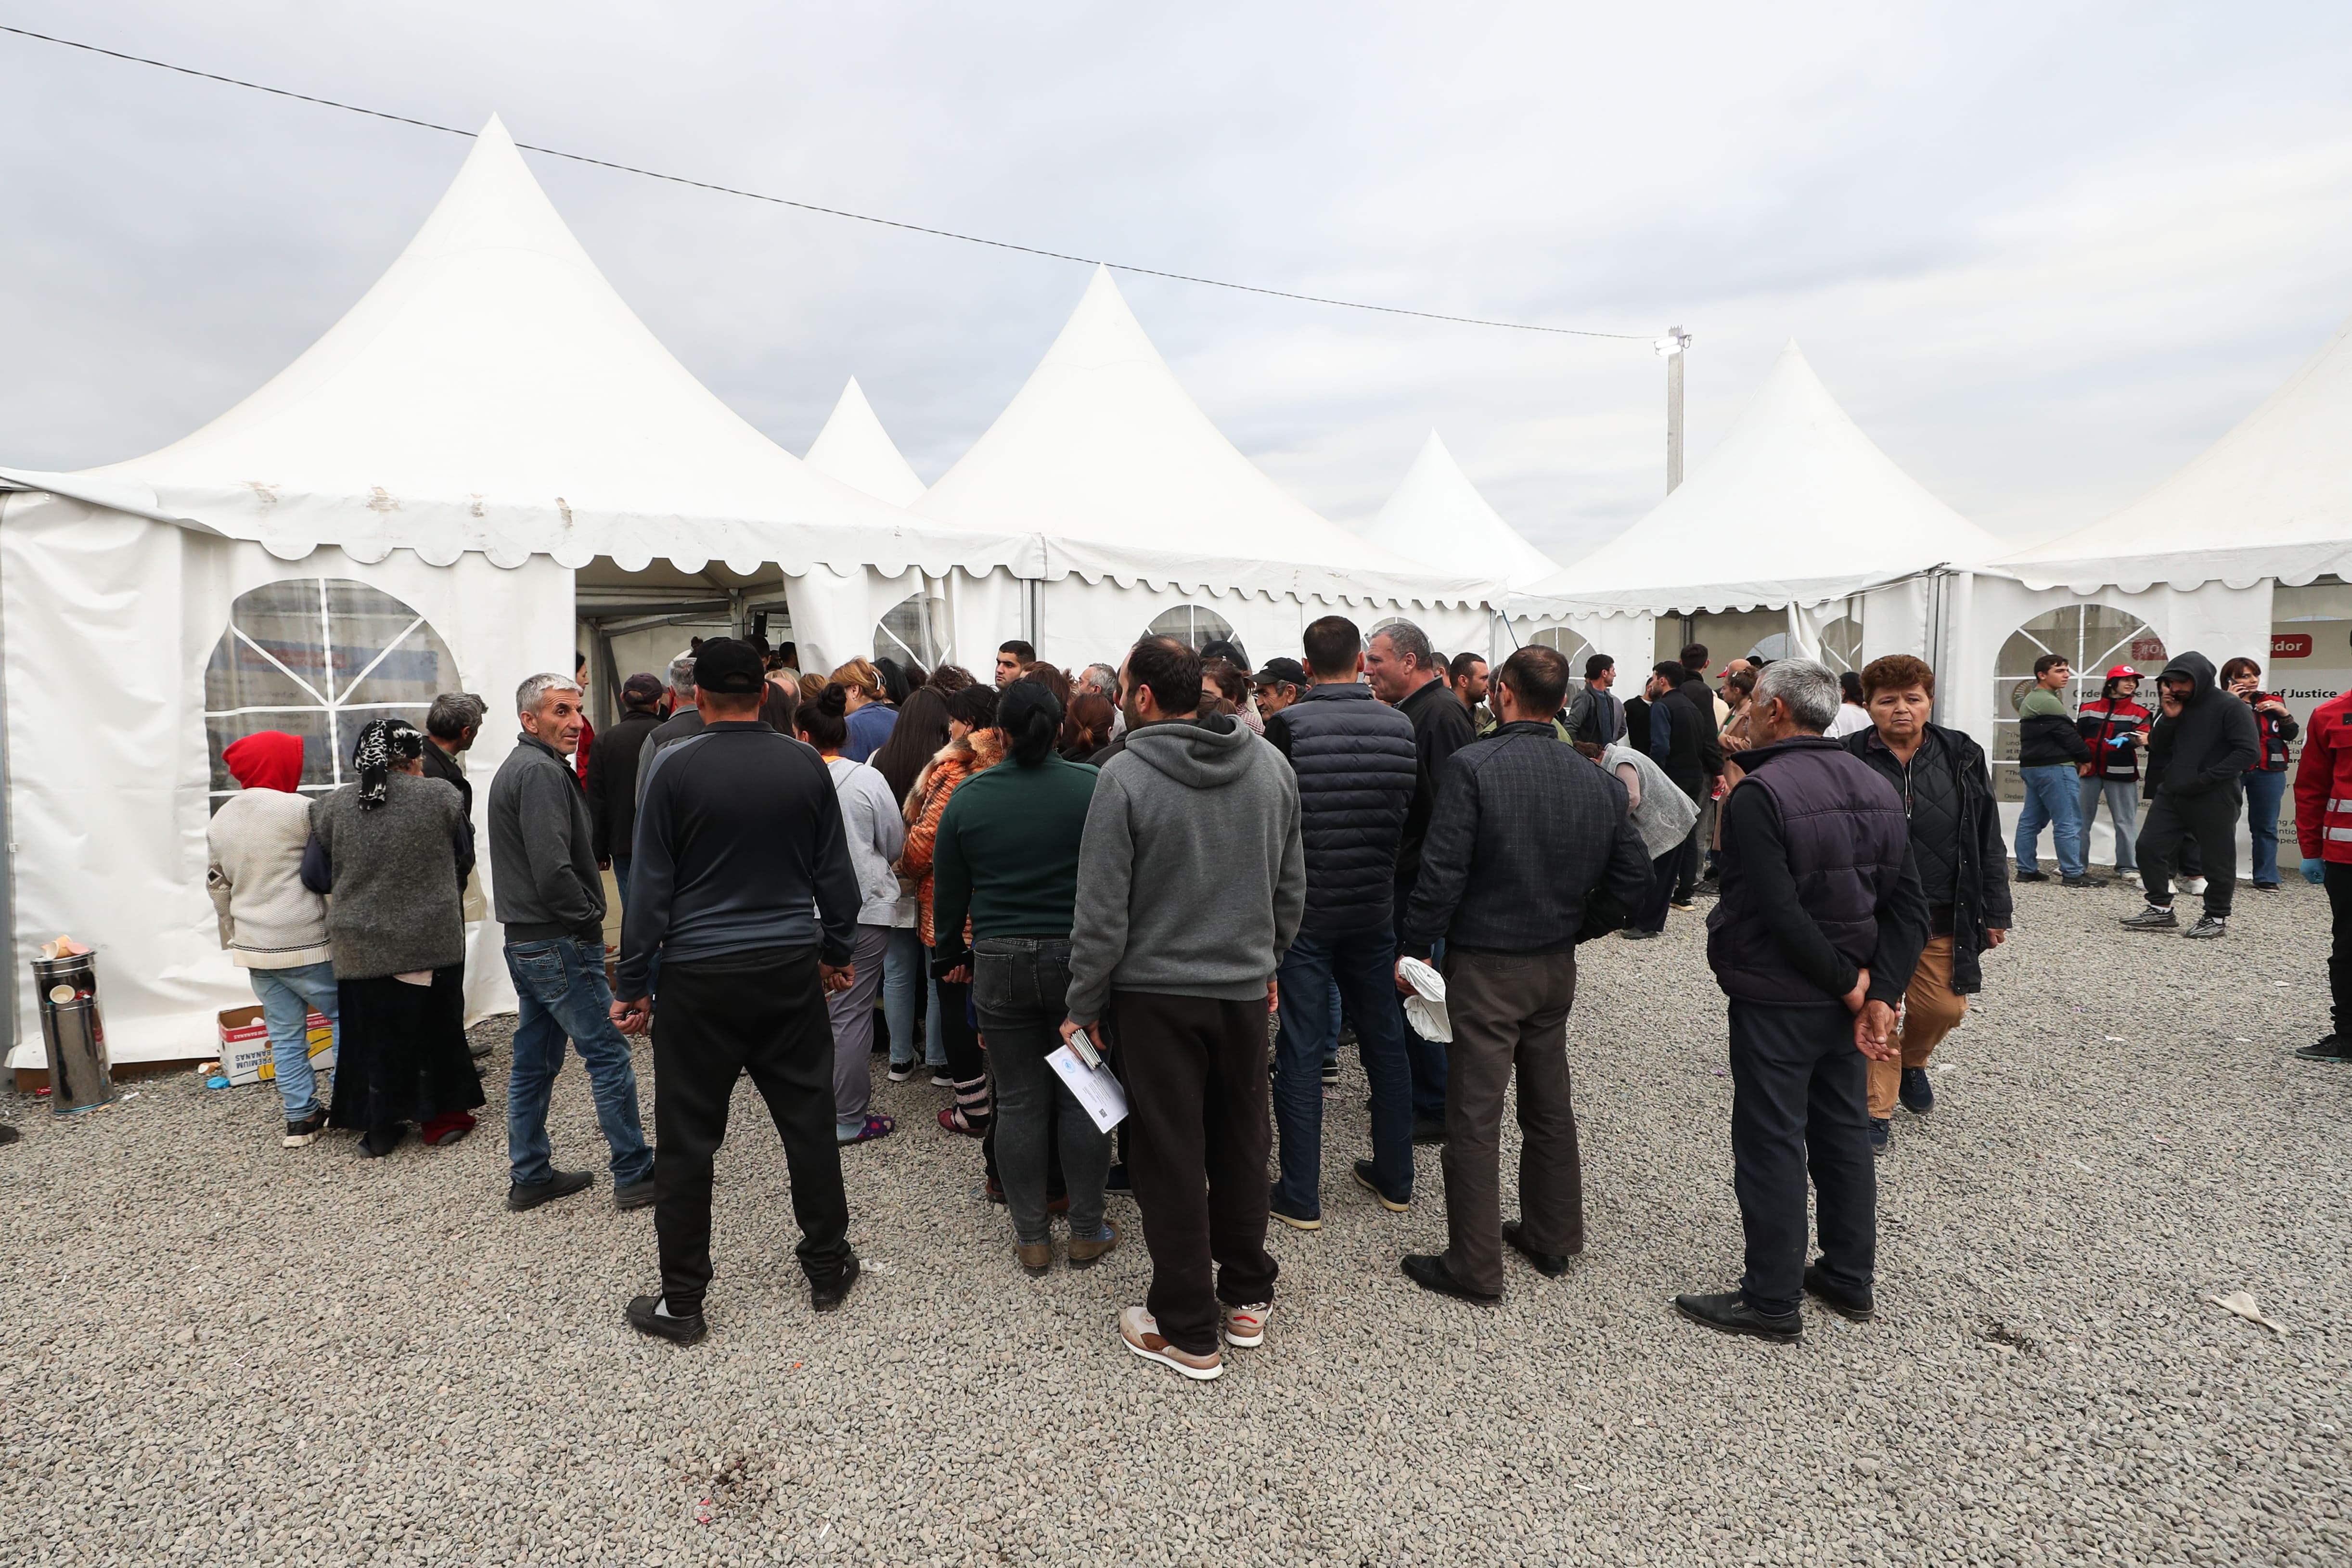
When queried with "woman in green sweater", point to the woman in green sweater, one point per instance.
{"points": [[1008, 854]]}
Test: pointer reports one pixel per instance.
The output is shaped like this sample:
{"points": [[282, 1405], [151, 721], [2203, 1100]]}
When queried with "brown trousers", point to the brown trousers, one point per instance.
{"points": [[1931, 1009], [1508, 1012]]}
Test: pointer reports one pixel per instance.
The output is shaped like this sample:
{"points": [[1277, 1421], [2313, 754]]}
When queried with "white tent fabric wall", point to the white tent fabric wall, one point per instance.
{"points": [[853, 449], [1437, 517], [108, 817]]}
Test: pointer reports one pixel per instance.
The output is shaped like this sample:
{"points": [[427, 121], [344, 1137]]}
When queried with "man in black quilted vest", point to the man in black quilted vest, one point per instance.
{"points": [[1357, 769], [1819, 926]]}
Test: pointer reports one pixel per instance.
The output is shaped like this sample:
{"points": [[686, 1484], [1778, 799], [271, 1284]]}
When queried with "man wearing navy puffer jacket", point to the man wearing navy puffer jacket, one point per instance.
{"points": [[1357, 769]]}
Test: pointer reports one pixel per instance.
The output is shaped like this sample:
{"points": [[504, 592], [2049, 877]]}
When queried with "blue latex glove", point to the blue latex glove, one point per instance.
{"points": [[2314, 870]]}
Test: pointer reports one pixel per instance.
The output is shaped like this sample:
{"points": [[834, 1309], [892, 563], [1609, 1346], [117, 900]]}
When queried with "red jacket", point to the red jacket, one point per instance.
{"points": [[2272, 733], [2104, 723], [2323, 784]]}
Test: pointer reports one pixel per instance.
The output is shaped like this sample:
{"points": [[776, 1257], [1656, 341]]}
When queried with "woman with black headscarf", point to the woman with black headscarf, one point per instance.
{"points": [[395, 849]]}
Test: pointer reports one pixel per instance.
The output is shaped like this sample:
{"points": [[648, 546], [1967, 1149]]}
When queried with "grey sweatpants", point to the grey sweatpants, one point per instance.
{"points": [[852, 1011]]}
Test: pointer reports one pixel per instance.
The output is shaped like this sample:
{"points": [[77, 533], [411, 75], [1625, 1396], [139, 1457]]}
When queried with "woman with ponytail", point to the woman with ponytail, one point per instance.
{"points": [[973, 745], [875, 832], [1007, 851]]}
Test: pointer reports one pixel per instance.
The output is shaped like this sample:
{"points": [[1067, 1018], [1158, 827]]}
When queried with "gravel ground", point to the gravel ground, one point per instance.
{"points": [[224, 1352]]}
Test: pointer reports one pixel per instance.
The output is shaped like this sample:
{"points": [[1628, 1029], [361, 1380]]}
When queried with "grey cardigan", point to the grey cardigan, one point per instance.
{"points": [[395, 873]]}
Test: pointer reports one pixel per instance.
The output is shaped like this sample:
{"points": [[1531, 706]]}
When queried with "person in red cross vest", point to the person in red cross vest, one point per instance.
{"points": [[2114, 726], [2322, 826]]}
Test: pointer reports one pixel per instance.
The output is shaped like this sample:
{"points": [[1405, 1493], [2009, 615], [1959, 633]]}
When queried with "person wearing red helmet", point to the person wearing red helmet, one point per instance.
{"points": [[2116, 728], [2322, 828]]}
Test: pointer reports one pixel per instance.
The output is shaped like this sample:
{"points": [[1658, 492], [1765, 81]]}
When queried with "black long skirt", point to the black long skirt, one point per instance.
{"points": [[402, 1053]]}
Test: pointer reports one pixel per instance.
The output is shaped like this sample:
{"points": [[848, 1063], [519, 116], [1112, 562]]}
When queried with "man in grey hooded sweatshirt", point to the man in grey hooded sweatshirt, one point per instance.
{"points": [[1191, 882]]}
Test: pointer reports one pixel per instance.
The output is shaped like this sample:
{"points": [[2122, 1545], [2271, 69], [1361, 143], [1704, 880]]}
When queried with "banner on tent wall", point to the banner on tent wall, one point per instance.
{"points": [[107, 811]]}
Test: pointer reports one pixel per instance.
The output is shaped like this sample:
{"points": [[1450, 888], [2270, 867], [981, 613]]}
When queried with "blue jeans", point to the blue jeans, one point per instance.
{"points": [[289, 997], [560, 985], [621, 879], [2122, 796], [904, 973], [2052, 798], [1426, 1058], [2264, 792], [1362, 963]]}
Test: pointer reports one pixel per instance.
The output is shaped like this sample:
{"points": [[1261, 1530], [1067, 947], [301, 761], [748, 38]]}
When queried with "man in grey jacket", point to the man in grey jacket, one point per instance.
{"points": [[551, 897], [1191, 882]]}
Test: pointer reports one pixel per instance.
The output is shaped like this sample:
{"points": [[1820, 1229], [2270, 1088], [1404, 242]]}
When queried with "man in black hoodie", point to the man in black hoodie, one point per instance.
{"points": [[2196, 769]]}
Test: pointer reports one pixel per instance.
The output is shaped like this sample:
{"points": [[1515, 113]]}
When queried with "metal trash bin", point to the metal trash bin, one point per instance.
{"points": [[79, 1076]]}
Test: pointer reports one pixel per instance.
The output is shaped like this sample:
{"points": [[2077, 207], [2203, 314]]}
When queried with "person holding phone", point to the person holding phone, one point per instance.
{"points": [[2274, 730]]}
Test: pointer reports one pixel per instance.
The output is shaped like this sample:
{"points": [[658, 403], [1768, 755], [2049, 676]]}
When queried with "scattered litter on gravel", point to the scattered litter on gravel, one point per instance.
{"points": [[221, 1350]]}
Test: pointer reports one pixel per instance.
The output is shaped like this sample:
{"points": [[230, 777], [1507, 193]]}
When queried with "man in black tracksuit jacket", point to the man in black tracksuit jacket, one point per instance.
{"points": [[743, 884], [2197, 764]]}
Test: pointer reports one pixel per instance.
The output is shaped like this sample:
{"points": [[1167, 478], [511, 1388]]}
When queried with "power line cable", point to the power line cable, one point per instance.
{"points": [[811, 206]]}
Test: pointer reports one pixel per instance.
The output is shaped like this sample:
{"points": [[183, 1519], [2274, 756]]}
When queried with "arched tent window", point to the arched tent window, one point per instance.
{"points": [[319, 658], [1194, 625], [1842, 643], [915, 629], [2091, 638], [1571, 646]]}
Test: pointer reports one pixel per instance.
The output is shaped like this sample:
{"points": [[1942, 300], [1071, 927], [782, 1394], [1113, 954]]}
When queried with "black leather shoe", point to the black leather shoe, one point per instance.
{"points": [[2327, 1048], [1428, 1271], [1429, 1129], [682, 1331], [1729, 1313], [563, 1185], [1552, 1264], [1853, 1306], [637, 1194], [825, 1295]]}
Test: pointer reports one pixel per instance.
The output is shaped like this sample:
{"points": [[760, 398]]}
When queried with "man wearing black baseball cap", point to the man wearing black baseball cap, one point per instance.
{"points": [[1278, 685], [742, 884]]}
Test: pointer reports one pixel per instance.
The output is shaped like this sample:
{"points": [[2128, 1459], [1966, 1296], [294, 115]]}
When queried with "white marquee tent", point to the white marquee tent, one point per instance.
{"points": [[406, 508], [1437, 517], [1796, 525], [853, 449], [1149, 515]]}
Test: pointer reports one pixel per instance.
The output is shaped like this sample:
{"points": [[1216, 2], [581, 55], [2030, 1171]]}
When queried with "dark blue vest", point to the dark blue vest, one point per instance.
{"points": [[1845, 829]]}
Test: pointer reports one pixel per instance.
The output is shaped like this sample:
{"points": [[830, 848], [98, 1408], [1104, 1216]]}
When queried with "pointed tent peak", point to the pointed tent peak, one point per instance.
{"points": [[2272, 498], [491, 384], [1810, 497], [1437, 516], [855, 449], [1102, 444]]}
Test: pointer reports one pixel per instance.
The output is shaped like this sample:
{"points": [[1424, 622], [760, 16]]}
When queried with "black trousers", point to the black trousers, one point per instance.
{"points": [[761, 1013], [1801, 1101], [1695, 846], [2339, 956], [1665, 873], [2211, 821], [1197, 1097]]}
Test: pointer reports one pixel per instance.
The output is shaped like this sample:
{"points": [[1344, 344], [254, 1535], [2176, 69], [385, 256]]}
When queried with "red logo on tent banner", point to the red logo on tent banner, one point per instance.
{"points": [[2296, 645], [2148, 650]]}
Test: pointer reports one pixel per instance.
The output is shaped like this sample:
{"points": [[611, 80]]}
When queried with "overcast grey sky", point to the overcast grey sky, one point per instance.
{"points": [[2044, 253]]}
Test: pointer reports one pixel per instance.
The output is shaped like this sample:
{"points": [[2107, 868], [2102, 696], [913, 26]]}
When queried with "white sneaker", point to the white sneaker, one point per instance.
{"points": [[2129, 879], [1246, 1326], [1141, 1332], [2193, 885]]}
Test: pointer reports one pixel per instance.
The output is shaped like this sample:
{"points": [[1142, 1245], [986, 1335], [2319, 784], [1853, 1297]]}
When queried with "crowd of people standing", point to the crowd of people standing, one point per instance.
{"points": [[1209, 878]]}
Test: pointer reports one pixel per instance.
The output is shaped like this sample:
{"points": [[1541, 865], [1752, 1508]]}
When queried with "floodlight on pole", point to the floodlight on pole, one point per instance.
{"points": [[1673, 349]]}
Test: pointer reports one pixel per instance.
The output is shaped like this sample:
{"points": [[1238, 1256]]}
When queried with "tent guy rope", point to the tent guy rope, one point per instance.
{"points": [[814, 208]]}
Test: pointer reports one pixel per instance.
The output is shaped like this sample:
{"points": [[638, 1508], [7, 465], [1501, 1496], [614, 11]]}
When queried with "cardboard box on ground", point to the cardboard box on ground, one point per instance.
{"points": [[245, 1053]]}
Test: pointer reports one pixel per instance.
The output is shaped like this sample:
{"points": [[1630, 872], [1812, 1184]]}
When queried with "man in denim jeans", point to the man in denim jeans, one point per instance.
{"points": [[551, 898], [2052, 759], [1357, 770]]}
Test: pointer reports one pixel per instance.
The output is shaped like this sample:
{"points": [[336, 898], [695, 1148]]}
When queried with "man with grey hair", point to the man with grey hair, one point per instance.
{"points": [[1820, 923], [550, 897], [684, 719], [1405, 674], [451, 724], [1102, 679]]}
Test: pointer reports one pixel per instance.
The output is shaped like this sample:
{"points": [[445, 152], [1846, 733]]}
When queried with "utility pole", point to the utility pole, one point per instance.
{"points": [[1670, 349]]}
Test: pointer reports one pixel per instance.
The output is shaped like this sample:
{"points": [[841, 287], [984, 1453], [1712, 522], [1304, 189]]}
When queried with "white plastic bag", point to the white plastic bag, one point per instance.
{"points": [[1425, 1008]]}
